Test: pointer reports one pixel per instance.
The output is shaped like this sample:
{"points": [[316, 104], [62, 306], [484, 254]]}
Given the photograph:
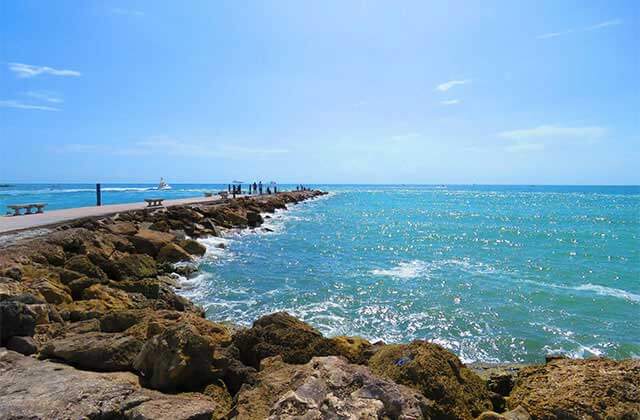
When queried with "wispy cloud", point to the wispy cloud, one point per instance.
{"points": [[451, 102], [127, 12], [27, 70], [443, 87], [162, 145], [605, 24], [20, 105], [45, 96], [555, 132], [523, 146]]}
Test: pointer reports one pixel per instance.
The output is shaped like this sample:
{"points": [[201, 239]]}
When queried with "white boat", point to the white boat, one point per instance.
{"points": [[163, 185]]}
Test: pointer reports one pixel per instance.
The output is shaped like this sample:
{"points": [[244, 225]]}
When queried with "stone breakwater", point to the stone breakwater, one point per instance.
{"points": [[91, 327]]}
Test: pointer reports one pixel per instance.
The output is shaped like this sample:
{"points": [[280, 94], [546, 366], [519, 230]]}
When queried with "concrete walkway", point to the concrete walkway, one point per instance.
{"points": [[15, 223]]}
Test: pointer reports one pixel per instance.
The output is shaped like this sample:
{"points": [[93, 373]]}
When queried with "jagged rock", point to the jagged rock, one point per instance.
{"points": [[14, 273], [326, 388], [150, 242], [282, 334], [118, 321], [177, 359], [23, 345], [94, 350], [122, 228], [149, 288], [45, 313], [113, 298], [218, 393], [437, 373], [53, 254], [193, 247], [52, 293], [160, 226], [83, 327], [173, 253], [67, 276], [82, 264], [15, 319], [254, 219], [135, 266], [577, 389], [78, 286], [355, 349], [33, 389]]}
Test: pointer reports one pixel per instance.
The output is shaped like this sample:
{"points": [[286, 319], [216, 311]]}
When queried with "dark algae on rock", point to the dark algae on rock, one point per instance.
{"points": [[91, 327]]}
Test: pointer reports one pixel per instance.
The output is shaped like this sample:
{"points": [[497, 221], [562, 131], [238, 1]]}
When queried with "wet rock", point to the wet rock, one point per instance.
{"points": [[82, 264], [16, 319], [22, 344], [437, 373], [193, 247], [134, 266], [326, 388], [577, 389], [254, 219], [150, 242], [94, 350], [173, 253], [33, 389], [177, 359]]}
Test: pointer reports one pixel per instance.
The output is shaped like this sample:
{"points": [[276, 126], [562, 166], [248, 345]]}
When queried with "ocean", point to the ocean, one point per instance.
{"points": [[493, 273]]}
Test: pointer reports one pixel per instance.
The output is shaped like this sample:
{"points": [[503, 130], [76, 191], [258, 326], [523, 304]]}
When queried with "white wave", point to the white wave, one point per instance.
{"points": [[217, 248], [404, 270], [610, 291]]}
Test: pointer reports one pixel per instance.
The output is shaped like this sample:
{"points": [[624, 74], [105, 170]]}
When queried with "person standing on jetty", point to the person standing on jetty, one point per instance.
{"points": [[255, 187]]}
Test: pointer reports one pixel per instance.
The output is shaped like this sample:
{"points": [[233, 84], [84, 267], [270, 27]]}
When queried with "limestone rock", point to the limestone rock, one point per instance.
{"points": [[518, 413], [94, 350], [193, 247], [82, 264], [52, 292], [122, 228], [134, 266], [437, 373], [355, 349], [150, 242], [326, 388], [173, 253], [577, 389], [33, 389], [177, 359]]}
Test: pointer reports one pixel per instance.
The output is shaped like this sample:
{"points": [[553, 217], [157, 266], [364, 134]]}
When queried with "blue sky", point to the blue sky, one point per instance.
{"points": [[539, 92]]}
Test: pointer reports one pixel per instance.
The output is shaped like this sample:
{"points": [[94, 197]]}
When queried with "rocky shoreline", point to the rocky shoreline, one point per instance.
{"points": [[91, 327]]}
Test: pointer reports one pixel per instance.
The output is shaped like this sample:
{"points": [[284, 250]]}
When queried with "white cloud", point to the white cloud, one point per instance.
{"points": [[555, 132], [127, 12], [443, 87], [27, 70], [522, 146], [45, 96], [606, 23], [451, 102], [20, 105]]}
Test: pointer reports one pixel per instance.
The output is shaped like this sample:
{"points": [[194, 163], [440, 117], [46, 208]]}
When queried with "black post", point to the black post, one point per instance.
{"points": [[98, 195]]}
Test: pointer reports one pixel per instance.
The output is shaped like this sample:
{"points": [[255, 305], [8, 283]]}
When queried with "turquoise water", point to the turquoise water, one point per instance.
{"points": [[492, 273], [495, 273]]}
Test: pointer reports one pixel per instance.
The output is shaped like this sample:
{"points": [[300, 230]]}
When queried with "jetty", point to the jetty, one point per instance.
{"points": [[54, 217]]}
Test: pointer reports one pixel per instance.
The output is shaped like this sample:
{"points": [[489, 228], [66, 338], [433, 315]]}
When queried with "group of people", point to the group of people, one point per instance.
{"points": [[302, 188], [255, 188]]}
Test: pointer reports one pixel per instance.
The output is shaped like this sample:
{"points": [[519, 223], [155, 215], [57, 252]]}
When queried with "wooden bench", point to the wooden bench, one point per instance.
{"points": [[27, 208], [154, 202]]}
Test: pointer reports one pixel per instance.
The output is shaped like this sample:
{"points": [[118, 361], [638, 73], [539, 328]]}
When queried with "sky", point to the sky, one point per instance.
{"points": [[485, 92]]}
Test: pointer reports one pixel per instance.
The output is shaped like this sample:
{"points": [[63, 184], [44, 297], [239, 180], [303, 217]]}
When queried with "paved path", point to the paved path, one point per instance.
{"points": [[14, 223]]}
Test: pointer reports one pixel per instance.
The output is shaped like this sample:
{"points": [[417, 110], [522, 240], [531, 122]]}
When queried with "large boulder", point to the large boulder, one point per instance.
{"points": [[52, 292], [579, 389], [173, 253], [177, 359], [438, 374], [33, 389], [23, 345], [254, 219], [326, 388], [284, 335], [280, 334], [82, 264], [94, 350], [148, 241], [134, 266], [193, 247], [15, 319]]}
